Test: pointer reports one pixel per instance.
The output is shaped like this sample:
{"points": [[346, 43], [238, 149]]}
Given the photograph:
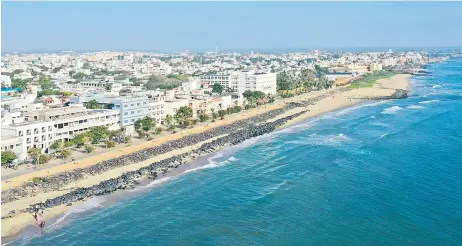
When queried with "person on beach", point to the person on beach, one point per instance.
{"points": [[39, 220]]}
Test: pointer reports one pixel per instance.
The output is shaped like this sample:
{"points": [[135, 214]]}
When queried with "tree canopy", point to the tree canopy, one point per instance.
{"points": [[8, 157], [163, 82], [147, 123], [183, 115], [92, 104], [217, 88]]}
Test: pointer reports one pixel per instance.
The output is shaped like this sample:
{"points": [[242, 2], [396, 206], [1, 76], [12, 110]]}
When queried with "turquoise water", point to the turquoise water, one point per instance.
{"points": [[383, 173]]}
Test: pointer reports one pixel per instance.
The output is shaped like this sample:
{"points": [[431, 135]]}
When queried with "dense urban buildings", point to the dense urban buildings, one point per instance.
{"points": [[50, 97]]}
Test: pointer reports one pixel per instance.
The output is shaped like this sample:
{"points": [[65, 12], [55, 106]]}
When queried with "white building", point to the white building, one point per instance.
{"points": [[242, 81], [41, 128], [6, 81]]}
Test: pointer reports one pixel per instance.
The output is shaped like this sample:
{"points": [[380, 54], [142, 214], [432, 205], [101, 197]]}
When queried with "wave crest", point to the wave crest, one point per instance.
{"points": [[391, 110], [429, 101]]}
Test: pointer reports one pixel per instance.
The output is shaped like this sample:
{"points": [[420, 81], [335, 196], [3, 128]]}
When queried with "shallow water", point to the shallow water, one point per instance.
{"points": [[384, 173]]}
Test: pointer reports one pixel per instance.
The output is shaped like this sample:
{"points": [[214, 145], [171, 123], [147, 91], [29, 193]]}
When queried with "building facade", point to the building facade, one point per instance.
{"points": [[242, 81]]}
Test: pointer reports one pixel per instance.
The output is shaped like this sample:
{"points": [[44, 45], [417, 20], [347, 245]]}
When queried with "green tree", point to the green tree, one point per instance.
{"points": [[141, 134], [80, 139], [221, 113], [57, 145], [37, 156], [97, 133], [89, 148], [45, 83], [183, 115], [16, 71], [8, 157], [20, 83], [170, 121], [65, 153], [67, 93], [92, 104], [147, 123], [79, 75], [110, 144], [158, 130], [68, 144], [127, 139], [217, 88], [202, 116], [237, 109]]}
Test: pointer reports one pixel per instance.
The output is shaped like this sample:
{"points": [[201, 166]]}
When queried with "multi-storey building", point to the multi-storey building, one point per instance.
{"points": [[242, 81], [157, 108], [41, 128], [130, 108]]}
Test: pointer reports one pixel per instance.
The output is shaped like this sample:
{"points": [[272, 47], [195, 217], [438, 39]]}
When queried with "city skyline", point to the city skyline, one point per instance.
{"points": [[238, 26]]}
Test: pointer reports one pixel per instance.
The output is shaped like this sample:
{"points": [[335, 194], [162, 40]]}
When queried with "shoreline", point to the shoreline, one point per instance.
{"points": [[343, 100]]}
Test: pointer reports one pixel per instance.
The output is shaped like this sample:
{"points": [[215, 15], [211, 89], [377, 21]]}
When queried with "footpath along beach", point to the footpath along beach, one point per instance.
{"points": [[69, 184]]}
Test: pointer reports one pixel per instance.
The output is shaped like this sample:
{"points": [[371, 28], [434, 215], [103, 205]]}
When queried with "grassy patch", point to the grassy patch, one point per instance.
{"points": [[38, 180], [369, 79]]}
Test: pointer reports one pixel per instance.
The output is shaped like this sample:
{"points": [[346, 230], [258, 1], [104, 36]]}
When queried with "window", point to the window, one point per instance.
{"points": [[29, 132], [133, 112], [132, 104], [138, 111], [144, 103], [138, 104], [49, 128], [125, 105], [20, 133], [126, 113], [133, 120]]}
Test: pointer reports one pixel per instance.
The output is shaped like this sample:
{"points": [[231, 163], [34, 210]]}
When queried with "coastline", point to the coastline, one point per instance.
{"points": [[337, 101]]}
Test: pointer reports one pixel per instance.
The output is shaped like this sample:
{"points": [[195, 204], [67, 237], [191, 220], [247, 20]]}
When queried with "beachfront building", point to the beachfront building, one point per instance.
{"points": [[131, 108], [43, 127], [20, 137], [172, 105], [157, 107], [242, 81]]}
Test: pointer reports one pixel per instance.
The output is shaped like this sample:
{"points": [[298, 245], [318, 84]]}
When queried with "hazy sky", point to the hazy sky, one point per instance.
{"points": [[175, 26]]}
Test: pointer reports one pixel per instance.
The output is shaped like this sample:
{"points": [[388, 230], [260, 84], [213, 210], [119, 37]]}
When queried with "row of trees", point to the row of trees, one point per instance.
{"points": [[305, 80], [62, 149]]}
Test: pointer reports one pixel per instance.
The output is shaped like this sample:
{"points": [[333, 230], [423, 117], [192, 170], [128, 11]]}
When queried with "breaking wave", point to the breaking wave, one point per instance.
{"points": [[391, 110], [415, 107], [429, 101]]}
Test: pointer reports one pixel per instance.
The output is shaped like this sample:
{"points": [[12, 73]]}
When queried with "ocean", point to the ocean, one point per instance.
{"points": [[380, 173]]}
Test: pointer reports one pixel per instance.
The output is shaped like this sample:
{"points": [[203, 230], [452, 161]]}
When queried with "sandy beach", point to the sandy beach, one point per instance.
{"points": [[338, 100]]}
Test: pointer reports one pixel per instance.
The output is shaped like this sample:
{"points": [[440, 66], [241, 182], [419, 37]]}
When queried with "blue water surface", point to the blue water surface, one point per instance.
{"points": [[382, 173]]}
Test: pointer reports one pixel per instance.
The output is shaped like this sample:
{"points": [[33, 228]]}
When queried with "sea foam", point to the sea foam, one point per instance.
{"points": [[391, 110], [429, 101], [414, 107]]}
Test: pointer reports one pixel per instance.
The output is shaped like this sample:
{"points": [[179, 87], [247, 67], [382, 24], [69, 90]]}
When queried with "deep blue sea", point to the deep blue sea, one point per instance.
{"points": [[381, 173]]}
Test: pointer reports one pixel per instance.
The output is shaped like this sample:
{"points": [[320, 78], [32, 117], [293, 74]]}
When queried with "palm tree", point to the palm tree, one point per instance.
{"points": [[35, 153], [169, 121]]}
